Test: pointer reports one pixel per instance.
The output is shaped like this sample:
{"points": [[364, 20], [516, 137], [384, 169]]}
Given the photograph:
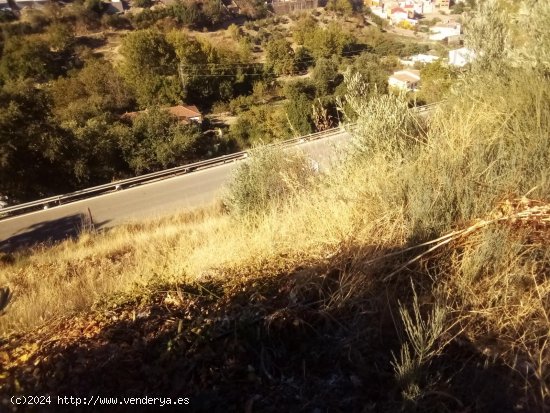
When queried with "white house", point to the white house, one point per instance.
{"points": [[405, 79], [461, 57], [398, 14], [423, 7], [443, 31], [418, 7], [419, 58], [424, 58]]}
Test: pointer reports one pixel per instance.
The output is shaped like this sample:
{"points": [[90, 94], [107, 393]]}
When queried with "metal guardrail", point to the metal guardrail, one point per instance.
{"points": [[426, 108], [178, 170]]}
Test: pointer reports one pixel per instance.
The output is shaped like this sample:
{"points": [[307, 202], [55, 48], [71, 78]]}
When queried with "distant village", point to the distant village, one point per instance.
{"points": [[405, 14], [447, 29], [409, 79]]}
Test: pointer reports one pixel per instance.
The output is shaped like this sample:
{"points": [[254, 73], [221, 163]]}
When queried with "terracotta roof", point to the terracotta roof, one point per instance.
{"points": [[398, 10], [179, 111], [184, 111], [130, 115]]}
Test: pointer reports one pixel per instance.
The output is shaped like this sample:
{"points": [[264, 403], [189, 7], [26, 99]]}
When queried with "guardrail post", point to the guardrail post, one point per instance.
{"points": [[92, 225]]}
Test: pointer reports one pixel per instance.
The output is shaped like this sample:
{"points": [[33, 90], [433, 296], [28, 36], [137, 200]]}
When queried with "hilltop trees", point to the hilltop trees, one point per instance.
{"points": [[166, 69], [372, 71], [344, 7], [319, 41], [304, 29], [299, 107], [214, 12], [328, 42], [60, 36], [260, 124], [150, 67], [80, 98], [195, 15], [92, 91], [203, 70], [86, 106]]}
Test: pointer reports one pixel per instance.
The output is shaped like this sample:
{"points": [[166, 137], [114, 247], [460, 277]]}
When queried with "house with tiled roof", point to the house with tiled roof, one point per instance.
{"points": [[398, 14], [185, 113], [405, 80]]}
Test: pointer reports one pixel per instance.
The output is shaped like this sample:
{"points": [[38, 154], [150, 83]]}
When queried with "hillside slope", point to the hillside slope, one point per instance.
{"points": [[415, 277]]}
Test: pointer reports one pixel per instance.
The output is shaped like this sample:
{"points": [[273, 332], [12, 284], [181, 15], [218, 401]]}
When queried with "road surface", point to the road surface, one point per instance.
{"points": [[150, 200]]}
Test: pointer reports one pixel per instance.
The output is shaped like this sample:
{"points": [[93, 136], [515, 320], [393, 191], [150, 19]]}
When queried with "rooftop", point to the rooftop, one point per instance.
{"points": [[409, 76], [398, 10], [181, 111]]}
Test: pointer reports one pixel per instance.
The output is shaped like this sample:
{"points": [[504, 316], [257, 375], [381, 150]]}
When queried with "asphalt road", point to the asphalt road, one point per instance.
{"points": [[196, 189]]}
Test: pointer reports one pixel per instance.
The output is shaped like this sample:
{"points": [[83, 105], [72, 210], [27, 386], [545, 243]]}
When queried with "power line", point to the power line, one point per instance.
{"points": [[252, 65]]}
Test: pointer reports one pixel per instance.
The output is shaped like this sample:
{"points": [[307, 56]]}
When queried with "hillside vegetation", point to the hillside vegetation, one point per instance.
{"points": [[82, 92], [414, 276]]}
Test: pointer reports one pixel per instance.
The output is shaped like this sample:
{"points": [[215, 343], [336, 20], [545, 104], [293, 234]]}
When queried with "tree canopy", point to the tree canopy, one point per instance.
{"points": [[150, 67], [280, 56]]}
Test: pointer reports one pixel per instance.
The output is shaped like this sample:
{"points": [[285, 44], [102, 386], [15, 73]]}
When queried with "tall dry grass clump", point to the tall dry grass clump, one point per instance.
{"points": [[487, 143], [484, 154], [269, 177]]}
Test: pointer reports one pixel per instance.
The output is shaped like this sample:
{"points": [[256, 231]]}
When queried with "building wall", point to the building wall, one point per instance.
{"points": [[461, 57], [285, 7]]}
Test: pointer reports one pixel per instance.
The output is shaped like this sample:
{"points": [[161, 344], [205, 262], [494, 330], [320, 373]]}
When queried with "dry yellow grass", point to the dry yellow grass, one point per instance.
{"points": [[71, 276]]}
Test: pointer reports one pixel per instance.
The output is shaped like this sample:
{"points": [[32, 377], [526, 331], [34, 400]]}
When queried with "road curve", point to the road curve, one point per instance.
{"points": [[150, 200]]}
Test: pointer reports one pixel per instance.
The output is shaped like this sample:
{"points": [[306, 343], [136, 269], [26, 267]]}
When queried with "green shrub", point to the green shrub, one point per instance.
{"points": [[269, 177]]}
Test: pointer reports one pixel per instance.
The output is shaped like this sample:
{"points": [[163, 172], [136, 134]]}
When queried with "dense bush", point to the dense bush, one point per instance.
{"points": [[189, 14], [24, 58], [260, 124], [280, 57], [483, 145], [267, 179], [157, 141], [322, 42]]}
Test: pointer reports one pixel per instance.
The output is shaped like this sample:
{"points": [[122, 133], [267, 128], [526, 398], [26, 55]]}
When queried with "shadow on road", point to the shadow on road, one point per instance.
{"points": [[50, 232]]}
